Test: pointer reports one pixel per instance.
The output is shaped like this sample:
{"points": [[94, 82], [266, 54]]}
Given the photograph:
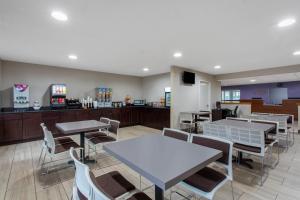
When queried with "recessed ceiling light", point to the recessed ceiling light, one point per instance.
{"points": [[253, 80], [145, 69], [177, 54], [72, 57], [286, 22], [217, 67], [58, 15], [296, 53]]}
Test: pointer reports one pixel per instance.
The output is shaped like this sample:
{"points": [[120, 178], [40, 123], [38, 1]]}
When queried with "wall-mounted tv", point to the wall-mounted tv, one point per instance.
{"points": [[188, 77]]}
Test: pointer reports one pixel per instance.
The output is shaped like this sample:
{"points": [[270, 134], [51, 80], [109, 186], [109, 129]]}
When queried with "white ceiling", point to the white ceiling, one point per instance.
{"points": [[277, 78], [125, 36]]}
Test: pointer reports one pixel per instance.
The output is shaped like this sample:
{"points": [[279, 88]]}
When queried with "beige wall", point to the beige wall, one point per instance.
{"points": [[154, 86], [186, 97], [80, 83]]}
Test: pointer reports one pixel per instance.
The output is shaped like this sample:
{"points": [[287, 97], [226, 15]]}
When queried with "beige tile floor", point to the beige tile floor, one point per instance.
{"points": [[21, 179]]}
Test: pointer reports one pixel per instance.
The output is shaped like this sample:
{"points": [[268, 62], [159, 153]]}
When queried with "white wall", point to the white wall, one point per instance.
{"points": [[154, 86], [80, 83], [186, 97]]}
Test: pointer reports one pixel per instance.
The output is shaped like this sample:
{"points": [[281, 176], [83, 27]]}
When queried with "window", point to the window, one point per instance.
{"points": [[231, 95]]}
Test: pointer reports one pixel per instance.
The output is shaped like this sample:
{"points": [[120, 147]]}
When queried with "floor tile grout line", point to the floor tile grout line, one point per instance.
{"points": [[12, 162], [33, 173]]}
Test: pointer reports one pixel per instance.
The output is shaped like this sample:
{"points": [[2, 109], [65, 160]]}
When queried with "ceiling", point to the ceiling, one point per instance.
{"points": [[275, 78], [125, 36]]}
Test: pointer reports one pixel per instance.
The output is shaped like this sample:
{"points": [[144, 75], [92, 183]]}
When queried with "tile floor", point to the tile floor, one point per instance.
{"points": [[21, 179]]}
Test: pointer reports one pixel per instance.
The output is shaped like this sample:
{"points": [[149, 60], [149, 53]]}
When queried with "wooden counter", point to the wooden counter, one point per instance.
{"points": [[289, 106], [25, 126]]}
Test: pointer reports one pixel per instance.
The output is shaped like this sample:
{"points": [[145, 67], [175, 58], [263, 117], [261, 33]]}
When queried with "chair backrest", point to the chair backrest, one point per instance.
{"points": [[114, 126], [185, 118], [95, 193], [50, 143], [81, 180], [177, 134], [44, 128], [235, 110], [249, 137], [276, 118], [258, 113], [275, 131], [220, 144], [104, 120], [216, 130], [237, 119]]}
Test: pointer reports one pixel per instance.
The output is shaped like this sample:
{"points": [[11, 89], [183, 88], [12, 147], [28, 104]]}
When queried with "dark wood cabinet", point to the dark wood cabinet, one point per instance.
{"points": [[11, 127], [18, 127], [31, 125]]}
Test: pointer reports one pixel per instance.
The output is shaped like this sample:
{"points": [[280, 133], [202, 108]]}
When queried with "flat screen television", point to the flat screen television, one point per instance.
{"points": [[188, 77]]}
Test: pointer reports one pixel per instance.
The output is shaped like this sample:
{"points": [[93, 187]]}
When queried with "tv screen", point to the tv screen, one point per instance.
{"points": [[188, 77]]}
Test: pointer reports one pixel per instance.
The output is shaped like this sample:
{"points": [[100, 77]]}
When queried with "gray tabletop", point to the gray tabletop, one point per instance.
{"points": [[242, 124], [197, 112], [80, 126], [162, 160], [276, 118]]}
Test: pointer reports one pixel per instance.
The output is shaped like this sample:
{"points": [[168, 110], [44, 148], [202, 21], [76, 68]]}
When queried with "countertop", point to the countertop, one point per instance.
{"points": [[47, 109]]}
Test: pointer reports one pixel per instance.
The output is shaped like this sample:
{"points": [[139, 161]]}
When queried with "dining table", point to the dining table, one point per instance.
{"points": [[81, 127], [162, 160], [196, 116]]}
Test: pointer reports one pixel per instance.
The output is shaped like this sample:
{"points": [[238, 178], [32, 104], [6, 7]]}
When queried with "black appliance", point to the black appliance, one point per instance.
{"points": [[188, 77], [73, 103]]}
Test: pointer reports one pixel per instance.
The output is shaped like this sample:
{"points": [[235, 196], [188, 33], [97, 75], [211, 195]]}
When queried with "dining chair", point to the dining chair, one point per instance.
{"points": [[112, 136], [271, 138], [251, 142], [177, 134], [100, 132], [57, 140], [53, 149], [186, 122], [100, 190], [216, 130], [111, 185], [207, 181]]}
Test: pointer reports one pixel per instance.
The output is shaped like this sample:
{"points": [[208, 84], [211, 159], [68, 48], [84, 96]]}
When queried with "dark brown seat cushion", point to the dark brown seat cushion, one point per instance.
{"points": [[139, 196], [81, 196], [269, 141], [65, 147], [94, 134], [63, 140], [102, 139], [206, 179], [247, 148], [113, 184], [175, 134]]}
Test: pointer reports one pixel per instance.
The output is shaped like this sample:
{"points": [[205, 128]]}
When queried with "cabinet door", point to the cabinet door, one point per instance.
{"points": [[82, 115], [126, 117], [68, 116], [31, 125], [11, 127], [136, 112]]}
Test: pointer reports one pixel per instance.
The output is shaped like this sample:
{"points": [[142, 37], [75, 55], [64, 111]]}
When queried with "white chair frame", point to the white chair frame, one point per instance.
{"points": [[229, 175]]}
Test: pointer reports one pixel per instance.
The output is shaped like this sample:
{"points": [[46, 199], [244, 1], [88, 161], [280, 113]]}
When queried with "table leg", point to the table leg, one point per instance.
{"points": [[196, 124], [84, 159], [159, 193], [244, 161]]}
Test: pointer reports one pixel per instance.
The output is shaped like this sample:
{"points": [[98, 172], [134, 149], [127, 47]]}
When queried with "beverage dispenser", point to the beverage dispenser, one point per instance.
{"points": [[58, 94]]}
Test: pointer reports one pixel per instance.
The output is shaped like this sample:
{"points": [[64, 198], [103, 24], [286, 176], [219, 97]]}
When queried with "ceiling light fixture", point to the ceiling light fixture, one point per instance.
{"points": [[146, 69], [58, 15], [217, 67], [296, 53], [177, 54], [253, 80], [73, 57], [286, 22]]}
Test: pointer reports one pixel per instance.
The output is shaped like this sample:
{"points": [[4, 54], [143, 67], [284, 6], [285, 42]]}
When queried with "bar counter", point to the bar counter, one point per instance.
{"points": [[24, 125]]}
